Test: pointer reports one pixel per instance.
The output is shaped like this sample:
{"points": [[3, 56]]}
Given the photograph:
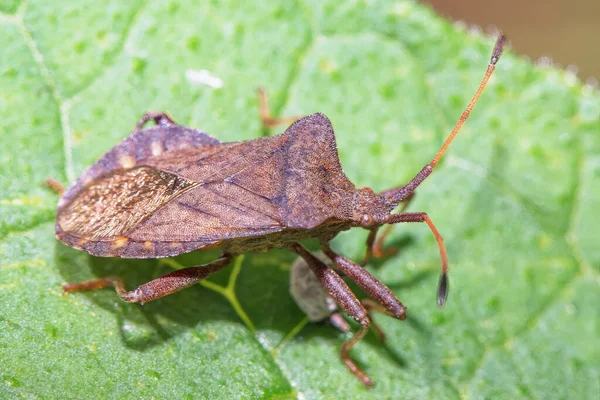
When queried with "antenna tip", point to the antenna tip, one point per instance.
{"points": [[498, 48], [442, 295]]}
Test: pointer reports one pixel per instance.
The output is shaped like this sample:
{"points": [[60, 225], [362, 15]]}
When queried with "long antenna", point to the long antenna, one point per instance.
{"points": [[399, 194]]}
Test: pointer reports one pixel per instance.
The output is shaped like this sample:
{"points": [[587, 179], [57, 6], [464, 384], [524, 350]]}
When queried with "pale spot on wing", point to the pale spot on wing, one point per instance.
{"points": [[127, 161], [157, 148], [119, 242]]}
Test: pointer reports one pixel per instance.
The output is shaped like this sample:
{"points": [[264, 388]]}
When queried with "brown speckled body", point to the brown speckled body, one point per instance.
{"points": [[168, 190]]}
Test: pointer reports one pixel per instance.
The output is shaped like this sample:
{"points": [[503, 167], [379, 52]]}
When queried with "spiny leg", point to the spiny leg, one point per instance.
{"points": [[265, 113], [398, 194], [423, 217], [159, 118], [343, 296], [157, 288], [375, 247], [338, 322], [374, 288]]}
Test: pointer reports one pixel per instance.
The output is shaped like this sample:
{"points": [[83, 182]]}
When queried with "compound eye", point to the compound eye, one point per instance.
{"points": [[367, 220]]}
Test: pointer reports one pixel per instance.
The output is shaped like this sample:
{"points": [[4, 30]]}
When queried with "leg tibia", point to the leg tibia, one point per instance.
{"points": [[347, 346]]}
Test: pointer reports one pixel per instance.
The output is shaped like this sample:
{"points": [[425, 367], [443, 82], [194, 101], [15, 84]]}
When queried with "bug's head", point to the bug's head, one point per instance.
{"points": [[370, 209]]}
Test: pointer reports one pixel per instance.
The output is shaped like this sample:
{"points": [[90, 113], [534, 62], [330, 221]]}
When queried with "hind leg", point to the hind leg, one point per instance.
{"points": [[157, 288], [343, 296]]}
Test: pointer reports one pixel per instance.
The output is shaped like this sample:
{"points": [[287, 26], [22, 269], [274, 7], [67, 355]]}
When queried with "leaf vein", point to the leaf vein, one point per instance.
{"points": [[63, 106]]}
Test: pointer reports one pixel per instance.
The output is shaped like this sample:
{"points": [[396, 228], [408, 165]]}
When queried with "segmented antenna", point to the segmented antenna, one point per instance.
{"points": [[495, 57], [397, 195]]}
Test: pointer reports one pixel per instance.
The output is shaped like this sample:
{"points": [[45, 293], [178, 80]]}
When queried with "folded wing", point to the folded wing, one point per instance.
{"points": [[183, 190]]}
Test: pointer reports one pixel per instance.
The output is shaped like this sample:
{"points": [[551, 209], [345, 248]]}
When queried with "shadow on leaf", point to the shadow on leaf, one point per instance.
{"points": [[262, 289]]}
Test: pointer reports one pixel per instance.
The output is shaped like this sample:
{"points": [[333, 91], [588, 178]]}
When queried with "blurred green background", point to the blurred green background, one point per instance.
{"points": [[567, 31]]}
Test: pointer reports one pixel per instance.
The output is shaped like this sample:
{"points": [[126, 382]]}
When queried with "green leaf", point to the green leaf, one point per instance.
{"points": [[517, 199]]}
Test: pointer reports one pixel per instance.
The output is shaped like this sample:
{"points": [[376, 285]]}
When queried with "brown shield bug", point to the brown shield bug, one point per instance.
{"points": [[169, 189]]}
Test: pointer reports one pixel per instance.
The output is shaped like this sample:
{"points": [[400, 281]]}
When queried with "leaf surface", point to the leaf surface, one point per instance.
{"points": [[516, 198]]}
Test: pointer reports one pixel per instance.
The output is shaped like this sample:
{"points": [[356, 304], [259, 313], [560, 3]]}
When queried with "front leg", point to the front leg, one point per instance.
{"points": [[312, 298], [374, 245]]}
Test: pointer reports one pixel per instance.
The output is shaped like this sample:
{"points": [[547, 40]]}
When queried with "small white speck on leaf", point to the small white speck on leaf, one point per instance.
{"points": [[203, 77]]}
